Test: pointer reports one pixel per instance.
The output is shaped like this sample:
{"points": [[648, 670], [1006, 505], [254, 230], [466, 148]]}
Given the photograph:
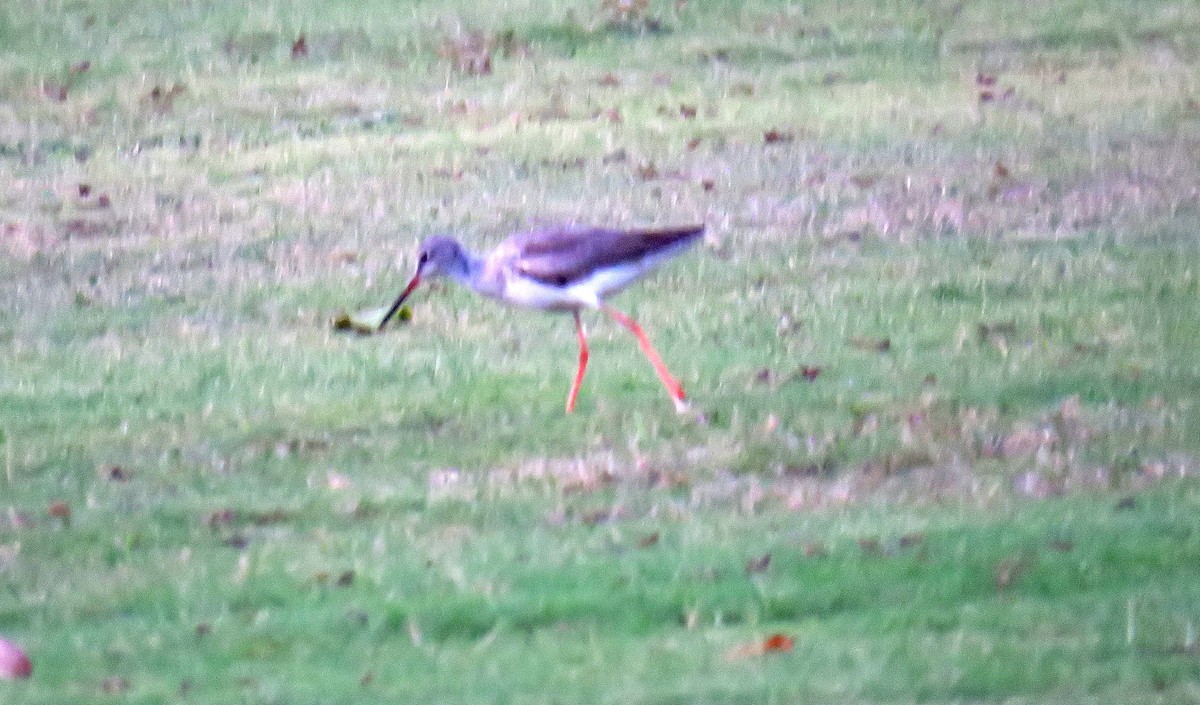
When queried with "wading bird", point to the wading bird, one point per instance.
{"points": [[566, 268]]}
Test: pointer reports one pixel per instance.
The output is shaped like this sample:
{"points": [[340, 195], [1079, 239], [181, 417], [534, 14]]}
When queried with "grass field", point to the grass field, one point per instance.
{"points": [[941, 342]]}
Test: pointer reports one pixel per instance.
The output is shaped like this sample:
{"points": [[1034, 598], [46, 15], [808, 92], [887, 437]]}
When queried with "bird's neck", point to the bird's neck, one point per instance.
{"points": [[467, 269]]}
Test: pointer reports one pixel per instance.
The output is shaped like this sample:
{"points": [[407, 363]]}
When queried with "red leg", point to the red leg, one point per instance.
{"points": [[583, 359], [674, 388]]}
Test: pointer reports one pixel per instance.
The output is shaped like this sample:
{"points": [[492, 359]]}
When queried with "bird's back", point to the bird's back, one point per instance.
{"points": [[564, 255]]}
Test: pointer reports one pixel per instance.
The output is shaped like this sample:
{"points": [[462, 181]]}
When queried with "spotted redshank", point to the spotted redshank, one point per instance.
{"points": [[567, 268]]}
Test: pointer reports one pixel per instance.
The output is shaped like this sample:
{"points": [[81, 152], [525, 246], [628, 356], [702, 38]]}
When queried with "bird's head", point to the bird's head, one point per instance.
{"points": [[440, 256]]}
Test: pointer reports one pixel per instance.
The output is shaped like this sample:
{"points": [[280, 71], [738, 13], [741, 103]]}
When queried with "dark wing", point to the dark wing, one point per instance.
{"points": [[561, 255]]}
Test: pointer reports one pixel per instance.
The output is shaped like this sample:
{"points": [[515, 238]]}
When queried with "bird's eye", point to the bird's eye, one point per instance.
{"points": [[423, 259]]}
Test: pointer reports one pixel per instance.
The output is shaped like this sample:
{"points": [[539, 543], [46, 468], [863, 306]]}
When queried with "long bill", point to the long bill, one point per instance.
{"points": [[400, 300]]}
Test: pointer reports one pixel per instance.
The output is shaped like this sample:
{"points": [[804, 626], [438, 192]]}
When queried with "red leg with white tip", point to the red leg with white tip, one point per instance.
{"points": [[583, 360], [674, 388]]}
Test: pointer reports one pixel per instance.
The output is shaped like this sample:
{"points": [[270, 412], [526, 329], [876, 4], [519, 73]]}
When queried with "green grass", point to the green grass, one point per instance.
{"points": [[986, 493]]}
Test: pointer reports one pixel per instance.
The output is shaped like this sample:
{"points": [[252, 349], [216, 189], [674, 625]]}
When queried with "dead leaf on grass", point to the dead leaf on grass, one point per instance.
{"points": [[996, 334], [1010, 569], [114, 685], [300, 47], [615, 157], [775, 643], [60, 510], [776, 136], [1060, 545], [667, 479], [871, 546], [56, 92], [648, 540], [162, 99], [864, 181], [647, 171], [612, 115], [879, 345], [116, 473], [603, 515], [814, 549], [758, 564]]}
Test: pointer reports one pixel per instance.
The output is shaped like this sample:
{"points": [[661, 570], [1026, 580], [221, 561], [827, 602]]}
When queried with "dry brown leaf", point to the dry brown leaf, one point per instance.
{"points": [[775, 643], [300, 47], [814, 549], [1010, 569], [775, 136], [56, 92], [879, 345], [871, 547], [647, 171], [114, 685], [758, 564], [60, 510]]}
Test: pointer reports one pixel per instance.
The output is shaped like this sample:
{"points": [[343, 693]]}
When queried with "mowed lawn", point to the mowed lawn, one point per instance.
{"points": [[940, 340]]}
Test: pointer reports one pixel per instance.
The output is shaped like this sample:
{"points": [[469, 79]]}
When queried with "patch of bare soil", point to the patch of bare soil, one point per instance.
{"points": [[1131, 184], [965, 457]]}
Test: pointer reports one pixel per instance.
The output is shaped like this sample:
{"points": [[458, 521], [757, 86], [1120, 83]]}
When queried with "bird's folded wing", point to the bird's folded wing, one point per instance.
{"points": [[562, 255]]}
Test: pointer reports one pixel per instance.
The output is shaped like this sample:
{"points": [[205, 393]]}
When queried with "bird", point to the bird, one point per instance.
{"points": [[565, 268]]}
